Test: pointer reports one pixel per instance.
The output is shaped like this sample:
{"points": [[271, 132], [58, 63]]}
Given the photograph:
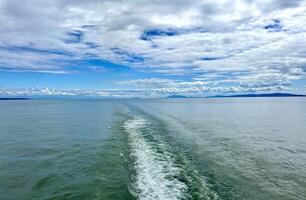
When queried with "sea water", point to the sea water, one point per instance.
{"points": [[231, 148]]}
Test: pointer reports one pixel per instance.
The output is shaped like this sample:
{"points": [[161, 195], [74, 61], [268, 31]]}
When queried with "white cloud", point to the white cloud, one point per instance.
{"points": [[192, 91], [204, 39]]}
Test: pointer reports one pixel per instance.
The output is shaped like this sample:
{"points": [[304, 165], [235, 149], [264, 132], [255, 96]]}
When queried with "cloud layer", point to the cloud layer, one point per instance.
{"points": [[252, 45]]}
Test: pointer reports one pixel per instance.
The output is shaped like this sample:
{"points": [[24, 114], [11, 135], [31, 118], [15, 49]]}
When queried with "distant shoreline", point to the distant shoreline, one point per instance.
{"points": [[261, 95], [242, 96], [270, 95], [10, 99]]}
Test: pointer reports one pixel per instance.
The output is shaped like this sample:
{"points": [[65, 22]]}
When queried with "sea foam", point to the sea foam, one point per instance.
{"points": [[156, 172]]}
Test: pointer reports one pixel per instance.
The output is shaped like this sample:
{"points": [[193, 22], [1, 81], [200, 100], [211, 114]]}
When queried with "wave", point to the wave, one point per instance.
{"points": [[157, 174], [161, 172]]}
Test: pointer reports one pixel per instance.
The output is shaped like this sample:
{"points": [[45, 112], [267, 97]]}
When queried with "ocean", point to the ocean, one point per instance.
{"points": [[227, 148]]}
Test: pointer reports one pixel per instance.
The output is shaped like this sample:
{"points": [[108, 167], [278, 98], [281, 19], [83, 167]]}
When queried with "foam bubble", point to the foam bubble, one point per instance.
{"points": [[156, 172]]}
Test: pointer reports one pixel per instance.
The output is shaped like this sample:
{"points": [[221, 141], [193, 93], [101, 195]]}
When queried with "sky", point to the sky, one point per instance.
{"points": [[151, 48]]}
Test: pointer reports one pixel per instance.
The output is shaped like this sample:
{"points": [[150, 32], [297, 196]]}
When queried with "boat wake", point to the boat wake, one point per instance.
{"points": [[158, 174]]}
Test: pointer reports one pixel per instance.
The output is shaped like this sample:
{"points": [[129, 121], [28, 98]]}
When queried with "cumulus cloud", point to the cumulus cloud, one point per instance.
{"points": [[192, 91], [243, 42], [157, 87]]}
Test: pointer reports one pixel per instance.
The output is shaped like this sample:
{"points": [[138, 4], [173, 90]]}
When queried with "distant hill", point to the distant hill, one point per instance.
{"points": [[241, 95], [7, 99], [261, 95], [177, 97]]}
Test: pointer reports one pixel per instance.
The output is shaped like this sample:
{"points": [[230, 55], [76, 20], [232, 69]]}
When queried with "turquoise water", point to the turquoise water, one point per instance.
{"points": [[241, 148]]}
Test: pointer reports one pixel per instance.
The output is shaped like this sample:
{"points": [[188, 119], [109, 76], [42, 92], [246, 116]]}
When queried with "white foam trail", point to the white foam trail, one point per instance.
{"points": [[155, 171]]}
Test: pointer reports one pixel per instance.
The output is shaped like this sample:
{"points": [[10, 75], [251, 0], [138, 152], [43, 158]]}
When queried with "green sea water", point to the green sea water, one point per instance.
{"points": [[240, 148]]}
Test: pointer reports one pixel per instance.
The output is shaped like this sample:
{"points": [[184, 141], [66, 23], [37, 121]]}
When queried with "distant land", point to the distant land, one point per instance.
{"points": [[7, 99], [177, 97], [242, 95], [261, 95]]}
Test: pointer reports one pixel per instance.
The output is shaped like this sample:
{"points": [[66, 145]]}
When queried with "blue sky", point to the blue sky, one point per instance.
{"points": [[151, 48]]}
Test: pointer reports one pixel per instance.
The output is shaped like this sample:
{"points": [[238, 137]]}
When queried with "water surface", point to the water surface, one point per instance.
{"points": [[240, 148]]}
